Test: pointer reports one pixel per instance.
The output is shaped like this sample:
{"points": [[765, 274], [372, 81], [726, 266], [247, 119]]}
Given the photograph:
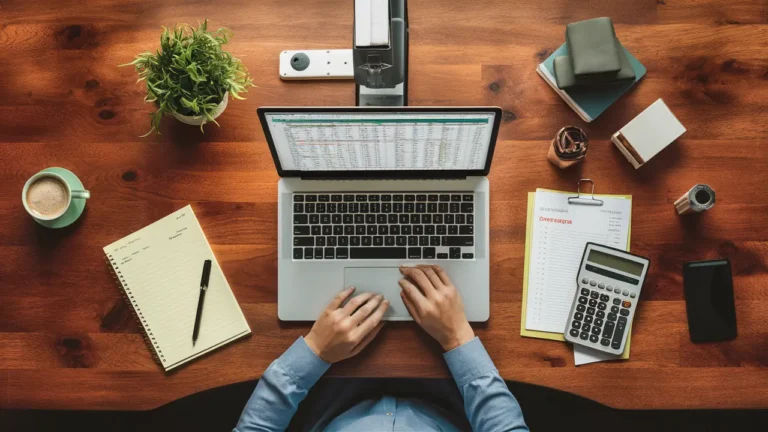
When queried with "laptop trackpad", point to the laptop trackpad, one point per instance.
{"points": [[379, 280]]}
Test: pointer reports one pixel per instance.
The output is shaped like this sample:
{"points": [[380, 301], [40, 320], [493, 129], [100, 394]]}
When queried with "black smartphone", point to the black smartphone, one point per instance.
{"points": [[709, 300]]}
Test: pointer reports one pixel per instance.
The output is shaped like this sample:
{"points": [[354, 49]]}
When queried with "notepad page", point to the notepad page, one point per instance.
{"points": [[560, 232], [162, 266]]}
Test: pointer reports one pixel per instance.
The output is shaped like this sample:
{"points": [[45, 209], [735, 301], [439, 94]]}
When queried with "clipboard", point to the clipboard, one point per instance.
{"points": [[528, 239]]}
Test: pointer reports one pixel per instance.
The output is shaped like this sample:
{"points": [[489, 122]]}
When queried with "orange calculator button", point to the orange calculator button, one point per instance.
{"points": [[626, 304]]}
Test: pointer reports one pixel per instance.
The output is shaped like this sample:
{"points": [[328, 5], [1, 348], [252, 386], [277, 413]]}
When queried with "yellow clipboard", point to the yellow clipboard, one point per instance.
{"points": [[528, 238]]}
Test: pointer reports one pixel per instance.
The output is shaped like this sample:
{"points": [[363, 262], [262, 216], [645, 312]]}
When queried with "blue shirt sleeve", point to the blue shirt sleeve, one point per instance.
{"points": [[281, 388], [489, 404]]}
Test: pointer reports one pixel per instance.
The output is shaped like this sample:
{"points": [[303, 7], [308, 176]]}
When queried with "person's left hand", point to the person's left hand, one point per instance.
{"points": [[342, 332]]}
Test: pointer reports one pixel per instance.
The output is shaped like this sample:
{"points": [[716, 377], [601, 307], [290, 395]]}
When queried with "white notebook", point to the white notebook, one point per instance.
{"points": [[647, 134], [159, 269]]}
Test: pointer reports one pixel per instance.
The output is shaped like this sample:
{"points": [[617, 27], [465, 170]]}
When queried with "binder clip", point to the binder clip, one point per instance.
{"points": [[582, 198]]}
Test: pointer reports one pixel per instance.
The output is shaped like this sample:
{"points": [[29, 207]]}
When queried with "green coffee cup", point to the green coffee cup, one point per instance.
{"points": [[54, 197]]}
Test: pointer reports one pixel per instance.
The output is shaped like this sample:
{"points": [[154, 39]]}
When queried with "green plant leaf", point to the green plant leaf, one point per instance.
{"points": [[190, 73]]}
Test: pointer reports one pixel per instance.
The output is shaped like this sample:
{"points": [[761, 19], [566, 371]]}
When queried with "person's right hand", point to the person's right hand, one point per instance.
{"points": [[435, 304], [343, 331]]}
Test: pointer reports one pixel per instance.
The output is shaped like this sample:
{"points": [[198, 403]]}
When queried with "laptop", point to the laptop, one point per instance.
{"points": [[364, 190]]}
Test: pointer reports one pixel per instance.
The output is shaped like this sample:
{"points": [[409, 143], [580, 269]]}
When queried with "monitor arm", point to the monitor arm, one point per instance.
{"points": [[380, 52]]}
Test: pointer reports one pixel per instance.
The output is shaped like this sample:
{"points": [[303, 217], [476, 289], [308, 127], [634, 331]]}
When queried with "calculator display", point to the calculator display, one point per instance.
{"points": [[615, 262]]}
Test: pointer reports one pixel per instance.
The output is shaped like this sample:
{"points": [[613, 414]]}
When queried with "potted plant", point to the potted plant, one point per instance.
{"points": [[191, 76]]}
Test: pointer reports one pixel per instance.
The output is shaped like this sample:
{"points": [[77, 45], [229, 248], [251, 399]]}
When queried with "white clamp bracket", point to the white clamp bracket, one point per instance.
{"points": [[316, 64]]}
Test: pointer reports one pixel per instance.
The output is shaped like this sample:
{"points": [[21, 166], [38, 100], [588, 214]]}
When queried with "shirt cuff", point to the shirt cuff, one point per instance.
{"points": [[302, 364], [469, 362]]}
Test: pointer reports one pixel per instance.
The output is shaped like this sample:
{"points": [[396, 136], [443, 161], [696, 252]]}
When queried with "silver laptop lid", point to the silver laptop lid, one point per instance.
{"points": [[381, 142]]}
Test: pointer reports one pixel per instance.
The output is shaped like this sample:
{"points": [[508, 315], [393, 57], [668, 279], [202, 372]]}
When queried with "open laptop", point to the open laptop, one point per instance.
{"points": [[367, 189]]}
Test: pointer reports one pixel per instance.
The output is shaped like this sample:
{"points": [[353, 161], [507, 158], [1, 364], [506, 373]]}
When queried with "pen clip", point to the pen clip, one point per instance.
{"points": [[206, 274]]}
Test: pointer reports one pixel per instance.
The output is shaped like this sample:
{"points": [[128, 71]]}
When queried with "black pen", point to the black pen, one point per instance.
{"points": [[201, 299]]}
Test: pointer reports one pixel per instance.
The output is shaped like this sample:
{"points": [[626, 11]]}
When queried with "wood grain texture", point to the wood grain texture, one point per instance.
{"points": [[69, 342]]}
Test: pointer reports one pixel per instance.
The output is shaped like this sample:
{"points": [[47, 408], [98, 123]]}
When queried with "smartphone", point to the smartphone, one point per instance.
{"points": [[709, 300]]}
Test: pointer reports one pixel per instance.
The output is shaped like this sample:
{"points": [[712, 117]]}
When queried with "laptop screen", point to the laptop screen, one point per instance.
{"points": [[366, 140]]}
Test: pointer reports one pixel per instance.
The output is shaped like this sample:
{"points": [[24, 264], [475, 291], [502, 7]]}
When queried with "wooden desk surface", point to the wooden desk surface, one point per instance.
{"points": [[68, 340]]}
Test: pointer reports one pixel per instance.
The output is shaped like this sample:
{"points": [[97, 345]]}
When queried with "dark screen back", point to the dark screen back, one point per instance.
{"points": [[709, 300]]}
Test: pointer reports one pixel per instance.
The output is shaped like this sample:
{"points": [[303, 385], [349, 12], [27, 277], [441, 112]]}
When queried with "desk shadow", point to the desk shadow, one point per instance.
{"points": [[572, 174], [655, 171], [287, 325], [691, 225], [544, 409], [47, 240], [186, 136]]}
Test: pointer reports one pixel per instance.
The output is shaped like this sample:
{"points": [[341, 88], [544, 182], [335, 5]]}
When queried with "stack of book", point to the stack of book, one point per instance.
{"points": [[592, 69]]}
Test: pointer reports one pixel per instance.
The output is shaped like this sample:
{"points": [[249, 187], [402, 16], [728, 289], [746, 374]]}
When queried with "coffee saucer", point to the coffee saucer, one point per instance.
{"points": [[75, 209]]}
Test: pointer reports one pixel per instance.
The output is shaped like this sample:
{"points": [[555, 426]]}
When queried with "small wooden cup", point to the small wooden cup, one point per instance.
{"points": [[568, 147]]}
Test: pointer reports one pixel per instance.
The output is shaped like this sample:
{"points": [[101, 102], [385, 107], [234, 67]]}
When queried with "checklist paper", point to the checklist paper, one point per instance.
{"points": [[560, 232]]}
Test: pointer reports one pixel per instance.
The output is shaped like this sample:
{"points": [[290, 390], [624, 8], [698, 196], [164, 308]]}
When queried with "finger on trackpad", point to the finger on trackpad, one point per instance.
{"points": [[379, 280]]}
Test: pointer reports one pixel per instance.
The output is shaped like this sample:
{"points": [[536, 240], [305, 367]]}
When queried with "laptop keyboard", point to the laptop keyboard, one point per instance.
{"points": [[383, 226]]}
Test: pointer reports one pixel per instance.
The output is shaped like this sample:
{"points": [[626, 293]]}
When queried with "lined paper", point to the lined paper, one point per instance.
{"points": [[161, 266], [560, 232]]}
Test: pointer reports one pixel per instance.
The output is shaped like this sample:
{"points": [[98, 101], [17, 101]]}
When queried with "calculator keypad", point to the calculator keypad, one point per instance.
{"points": [[601, 318], [617, 335]]}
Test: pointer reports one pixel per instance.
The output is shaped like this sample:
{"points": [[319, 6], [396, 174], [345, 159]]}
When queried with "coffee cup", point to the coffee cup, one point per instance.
{"points": [[48, 195]]}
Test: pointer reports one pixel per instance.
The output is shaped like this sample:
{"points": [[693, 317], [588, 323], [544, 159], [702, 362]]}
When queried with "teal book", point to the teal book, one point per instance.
{"points": [[589, 102]]}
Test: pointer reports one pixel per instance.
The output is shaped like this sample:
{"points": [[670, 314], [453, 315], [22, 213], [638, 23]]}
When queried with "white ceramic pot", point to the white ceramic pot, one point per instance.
{"points": [[198, 120]]}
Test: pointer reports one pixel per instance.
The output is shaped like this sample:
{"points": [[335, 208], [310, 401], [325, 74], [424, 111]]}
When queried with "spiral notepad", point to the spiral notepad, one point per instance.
{"points": [[158, 269]]}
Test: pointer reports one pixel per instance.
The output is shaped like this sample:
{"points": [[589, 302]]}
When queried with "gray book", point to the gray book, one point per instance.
{"points": [[564, 72], [593, 47], [566, 78]]}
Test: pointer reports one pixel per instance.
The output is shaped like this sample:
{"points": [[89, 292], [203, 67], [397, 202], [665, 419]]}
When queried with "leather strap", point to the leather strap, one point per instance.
{"points": [[568, 147]]}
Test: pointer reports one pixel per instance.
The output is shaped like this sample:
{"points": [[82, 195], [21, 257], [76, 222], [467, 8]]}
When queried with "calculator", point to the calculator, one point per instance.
{"points": [[608, 288]]}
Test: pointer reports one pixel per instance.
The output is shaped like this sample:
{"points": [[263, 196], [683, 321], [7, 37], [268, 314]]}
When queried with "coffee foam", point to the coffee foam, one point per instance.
{"points": [[48, 197]]}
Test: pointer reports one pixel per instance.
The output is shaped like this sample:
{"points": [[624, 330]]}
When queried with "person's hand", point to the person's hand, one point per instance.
{"points": [[342, 332], [435, 304]]}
